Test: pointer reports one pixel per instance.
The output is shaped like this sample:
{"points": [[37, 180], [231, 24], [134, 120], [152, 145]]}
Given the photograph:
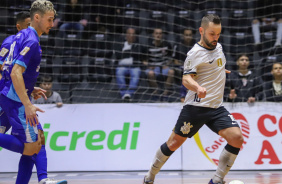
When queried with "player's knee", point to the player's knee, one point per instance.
{"points": [[43, 140], [42, 137], [175, 141], [238, 139]]}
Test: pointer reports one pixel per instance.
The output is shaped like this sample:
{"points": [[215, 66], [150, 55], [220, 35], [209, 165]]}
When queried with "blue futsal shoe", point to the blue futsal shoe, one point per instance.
{"points": [[211, 182]]}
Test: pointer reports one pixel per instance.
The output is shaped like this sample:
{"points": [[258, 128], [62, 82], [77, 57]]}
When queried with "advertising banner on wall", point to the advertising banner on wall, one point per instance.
{"points": [[119, 137], [261, 125], [103, 137]]}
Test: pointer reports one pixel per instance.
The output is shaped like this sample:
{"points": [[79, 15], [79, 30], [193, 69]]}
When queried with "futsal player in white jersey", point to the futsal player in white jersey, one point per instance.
{"points": [[204, 76]]}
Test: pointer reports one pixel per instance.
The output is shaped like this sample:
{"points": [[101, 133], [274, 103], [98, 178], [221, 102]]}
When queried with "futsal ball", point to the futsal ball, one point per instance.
{"points": [[236, 182]]}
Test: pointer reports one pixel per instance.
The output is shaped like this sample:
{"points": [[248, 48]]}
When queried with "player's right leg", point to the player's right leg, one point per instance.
{"points": [[41, 163], [12, 143]]}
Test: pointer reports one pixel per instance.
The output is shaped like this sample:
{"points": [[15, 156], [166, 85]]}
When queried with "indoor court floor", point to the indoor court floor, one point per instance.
{"points": [[164, 177]]}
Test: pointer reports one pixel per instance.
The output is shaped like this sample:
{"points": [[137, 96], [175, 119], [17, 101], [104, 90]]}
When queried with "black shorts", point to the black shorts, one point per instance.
{"points": [[192, 118]]}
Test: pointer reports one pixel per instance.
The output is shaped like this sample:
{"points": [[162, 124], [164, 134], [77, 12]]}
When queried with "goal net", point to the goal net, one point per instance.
{"points": [[85, 49]]}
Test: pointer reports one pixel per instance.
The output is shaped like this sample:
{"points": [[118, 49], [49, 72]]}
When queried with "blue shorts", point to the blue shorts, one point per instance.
{"points": [[13, 114], [158, 71], [4, 122]]}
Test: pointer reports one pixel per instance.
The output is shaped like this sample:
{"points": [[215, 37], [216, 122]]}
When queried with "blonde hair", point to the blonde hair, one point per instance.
{"points": [[41, 7]]}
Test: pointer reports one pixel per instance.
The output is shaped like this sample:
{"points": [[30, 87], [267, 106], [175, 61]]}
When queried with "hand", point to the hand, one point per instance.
{"points": [[227, 71], [232, 94], [251, 99], [31, 116], [38, 93], [34, 147], [201, 92]]}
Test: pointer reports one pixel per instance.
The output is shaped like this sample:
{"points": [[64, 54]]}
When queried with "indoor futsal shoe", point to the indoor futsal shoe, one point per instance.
{"points": [[211, 182], [148, 182], [52, 181]]}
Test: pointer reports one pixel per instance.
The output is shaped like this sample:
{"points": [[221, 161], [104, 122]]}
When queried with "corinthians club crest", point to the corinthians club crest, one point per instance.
{"points": [[185, 129]]}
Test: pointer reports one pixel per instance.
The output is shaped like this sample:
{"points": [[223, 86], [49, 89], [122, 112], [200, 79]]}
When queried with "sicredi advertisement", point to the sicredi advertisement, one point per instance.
{"points": [[117, 137]]}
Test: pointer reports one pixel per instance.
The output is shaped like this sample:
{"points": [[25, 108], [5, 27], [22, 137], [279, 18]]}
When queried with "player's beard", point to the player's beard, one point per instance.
{"points": [[209, 44]]}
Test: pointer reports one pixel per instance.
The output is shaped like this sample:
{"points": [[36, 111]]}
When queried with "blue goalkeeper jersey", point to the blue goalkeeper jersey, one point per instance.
{"points": [[25, 51]]}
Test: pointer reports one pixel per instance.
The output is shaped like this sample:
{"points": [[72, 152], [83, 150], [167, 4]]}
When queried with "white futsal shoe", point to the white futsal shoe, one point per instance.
{"points": [[52, 181]]}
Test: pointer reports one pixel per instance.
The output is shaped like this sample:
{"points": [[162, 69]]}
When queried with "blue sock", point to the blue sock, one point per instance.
{"points": [[11, 143], [25, 169], [41, 164]]}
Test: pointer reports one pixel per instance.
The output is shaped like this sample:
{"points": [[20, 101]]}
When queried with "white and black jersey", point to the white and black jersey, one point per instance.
{"points": [[208, 66], [159, 55]]}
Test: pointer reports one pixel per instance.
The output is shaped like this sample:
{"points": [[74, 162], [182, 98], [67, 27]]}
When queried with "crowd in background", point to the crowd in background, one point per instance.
{"points": [[140, 47]]}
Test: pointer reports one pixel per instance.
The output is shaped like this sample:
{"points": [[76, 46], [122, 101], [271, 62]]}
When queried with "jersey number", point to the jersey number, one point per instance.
{"points": [[10, 58], [197, 99], [231, 117]]}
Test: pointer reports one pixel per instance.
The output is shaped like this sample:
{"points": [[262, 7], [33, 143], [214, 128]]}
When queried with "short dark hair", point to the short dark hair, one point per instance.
{"points": [[210, 18], [240, 55], [21, 16], [46, 78]]}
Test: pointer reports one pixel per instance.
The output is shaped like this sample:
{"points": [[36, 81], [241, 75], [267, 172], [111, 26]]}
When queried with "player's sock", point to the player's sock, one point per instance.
{"points": [[161, 157], [25, 169], [226, 160], [11, 143], [41, 164]]}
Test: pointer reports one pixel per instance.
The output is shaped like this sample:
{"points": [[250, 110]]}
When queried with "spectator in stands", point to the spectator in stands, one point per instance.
{"points": [[243, 85], [267, 14], [159, 58], [46, 83], [187, 42], [180, 53], [73, 18], [130, 56], [273, 89]]}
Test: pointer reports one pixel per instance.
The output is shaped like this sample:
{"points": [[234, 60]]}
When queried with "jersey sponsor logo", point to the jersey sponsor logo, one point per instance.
{"points": [[3, 52], [185, 129], [210, 62], [24, 51], [189, 64], [219, 62]]}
